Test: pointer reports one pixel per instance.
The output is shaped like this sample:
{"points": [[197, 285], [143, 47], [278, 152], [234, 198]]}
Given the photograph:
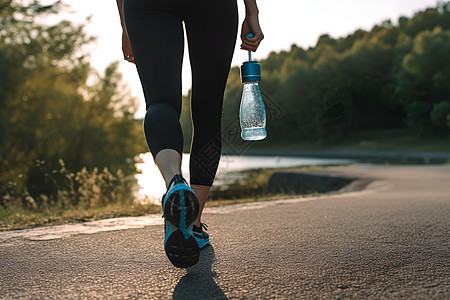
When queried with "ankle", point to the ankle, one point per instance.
{"points": [[169, 164], [173, 179]]}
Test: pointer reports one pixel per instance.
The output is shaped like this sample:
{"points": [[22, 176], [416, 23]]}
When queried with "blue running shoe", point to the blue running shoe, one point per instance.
{"points": [[180, 207], [200, 235]]}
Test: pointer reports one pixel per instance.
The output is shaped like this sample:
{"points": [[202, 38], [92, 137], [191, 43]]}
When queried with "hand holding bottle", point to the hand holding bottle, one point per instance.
{"points": [[251, 25]]}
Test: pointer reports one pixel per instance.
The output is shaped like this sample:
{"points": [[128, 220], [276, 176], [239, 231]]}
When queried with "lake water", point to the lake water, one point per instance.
{"points": [[151, 186]]}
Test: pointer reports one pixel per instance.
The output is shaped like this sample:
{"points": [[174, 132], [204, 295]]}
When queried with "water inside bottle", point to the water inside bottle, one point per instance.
{"points": [[252, 113], [254, 134]]}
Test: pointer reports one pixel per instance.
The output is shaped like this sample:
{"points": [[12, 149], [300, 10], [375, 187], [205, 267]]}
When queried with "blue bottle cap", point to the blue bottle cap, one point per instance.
{"points": [[250, 71]]}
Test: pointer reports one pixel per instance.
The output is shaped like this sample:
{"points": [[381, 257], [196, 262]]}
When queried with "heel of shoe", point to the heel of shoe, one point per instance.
{"points": [[182, 252], [181, 208]]}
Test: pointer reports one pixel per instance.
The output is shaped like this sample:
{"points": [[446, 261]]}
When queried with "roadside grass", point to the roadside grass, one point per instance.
{"points": [[20, 218], [98, 194], [249, 187], [66, 197], [15, 217]]}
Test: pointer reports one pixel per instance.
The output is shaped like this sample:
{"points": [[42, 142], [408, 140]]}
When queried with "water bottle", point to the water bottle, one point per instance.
{"points": [[252, 113]]}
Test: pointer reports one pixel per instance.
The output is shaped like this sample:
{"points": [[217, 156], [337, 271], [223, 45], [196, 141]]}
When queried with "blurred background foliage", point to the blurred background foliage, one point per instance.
{"points": [[54, 105], [61, 122], [393, 78]]}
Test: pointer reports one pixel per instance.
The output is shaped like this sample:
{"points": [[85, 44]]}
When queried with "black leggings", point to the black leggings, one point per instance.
{"points": [[156, 36]]}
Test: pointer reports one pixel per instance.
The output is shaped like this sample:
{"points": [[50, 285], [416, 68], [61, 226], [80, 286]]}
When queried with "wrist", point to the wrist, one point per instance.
{"points": [[252, 12], [251, 8]]}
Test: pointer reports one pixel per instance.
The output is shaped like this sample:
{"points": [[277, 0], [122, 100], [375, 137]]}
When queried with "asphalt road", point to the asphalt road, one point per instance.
{"points": [[390, 240]]}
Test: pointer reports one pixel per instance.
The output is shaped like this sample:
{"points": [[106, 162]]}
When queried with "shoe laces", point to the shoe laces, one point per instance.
{"points": [[202, 227], [176, 179]]}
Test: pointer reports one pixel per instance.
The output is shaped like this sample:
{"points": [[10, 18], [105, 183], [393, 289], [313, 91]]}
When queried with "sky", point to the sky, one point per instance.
{"points": [[284, 22]]}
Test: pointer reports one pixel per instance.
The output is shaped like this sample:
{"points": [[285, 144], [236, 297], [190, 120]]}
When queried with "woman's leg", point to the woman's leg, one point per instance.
{"points": [[157, 41], [211, 31], [202, 192]]}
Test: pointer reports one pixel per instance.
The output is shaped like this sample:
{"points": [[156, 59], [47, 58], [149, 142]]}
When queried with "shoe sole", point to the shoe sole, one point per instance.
{"points": [[182, 252], [180, 210]]}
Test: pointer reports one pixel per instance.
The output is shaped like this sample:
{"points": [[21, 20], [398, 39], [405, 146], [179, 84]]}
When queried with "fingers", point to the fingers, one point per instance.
{"points": [[252, 43], [251, 25], [128, 57], [126, 48]]}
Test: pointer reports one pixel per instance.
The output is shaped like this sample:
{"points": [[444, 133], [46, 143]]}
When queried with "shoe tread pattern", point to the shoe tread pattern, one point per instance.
{"points": [[173, 209], [182, 253]]}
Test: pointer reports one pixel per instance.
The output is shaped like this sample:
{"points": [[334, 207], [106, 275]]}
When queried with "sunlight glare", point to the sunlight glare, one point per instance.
{"points": [[151, 186], [150, 182]]}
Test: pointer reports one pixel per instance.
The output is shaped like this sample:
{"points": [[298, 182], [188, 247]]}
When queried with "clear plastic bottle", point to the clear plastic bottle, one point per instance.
{"points": [[252, 113]]}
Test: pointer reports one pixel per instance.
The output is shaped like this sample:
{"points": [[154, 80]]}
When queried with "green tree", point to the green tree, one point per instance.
{"points": [[440, 114], [389, 78], [424, 78], [48, 111]]}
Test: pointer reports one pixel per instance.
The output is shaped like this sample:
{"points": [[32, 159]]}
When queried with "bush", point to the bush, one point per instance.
{"points": [[440, 114], [418, 113], [62, 189]]}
